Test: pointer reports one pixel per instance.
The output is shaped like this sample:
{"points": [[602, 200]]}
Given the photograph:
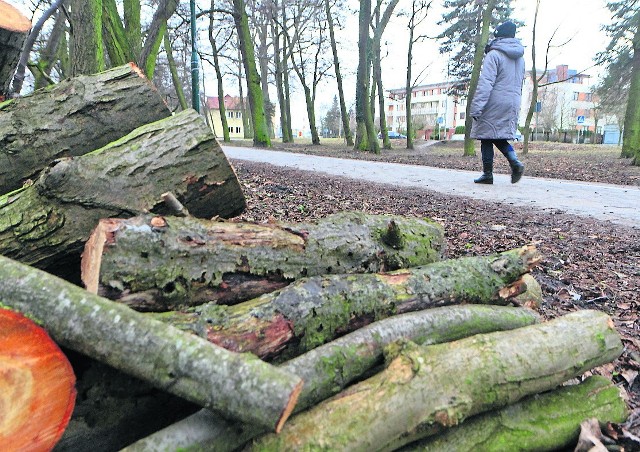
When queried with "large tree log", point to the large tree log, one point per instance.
{"points": [[427, 389], [37, 392], [313, 311], [545, 422], [14, 29], [238, 385], [72, 118], [191, 261], [330, 368], [48, 222]]}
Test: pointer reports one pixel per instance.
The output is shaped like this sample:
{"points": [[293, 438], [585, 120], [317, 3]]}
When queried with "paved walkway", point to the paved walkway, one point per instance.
{"points": [[617, 203]]}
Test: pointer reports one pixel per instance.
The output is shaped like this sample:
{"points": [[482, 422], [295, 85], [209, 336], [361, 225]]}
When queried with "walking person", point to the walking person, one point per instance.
{"points": [[496, 102]]}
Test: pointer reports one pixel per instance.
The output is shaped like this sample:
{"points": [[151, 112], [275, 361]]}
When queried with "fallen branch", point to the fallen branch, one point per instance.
{"points": [[191, 261], [549, 421], [328, 369], [427, 389], [314, 311], [238, 385]]}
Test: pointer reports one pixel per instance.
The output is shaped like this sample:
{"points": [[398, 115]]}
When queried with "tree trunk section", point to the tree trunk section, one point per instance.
{"points": [[14, 29], [328, 369], [237, 385], [427, 389], [546, 422], [46, 224], [313, 311], [37, 392], [631, 134], [190, 261], [72, 118], [86, 45]]}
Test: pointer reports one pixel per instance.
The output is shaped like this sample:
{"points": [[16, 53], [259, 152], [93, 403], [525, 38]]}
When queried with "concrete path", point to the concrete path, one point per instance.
{"points": [[617, 203]]}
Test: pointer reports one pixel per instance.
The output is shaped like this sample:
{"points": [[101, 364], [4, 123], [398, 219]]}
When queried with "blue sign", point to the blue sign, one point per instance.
{"points": [[538, 108], [580, 119], [440, 120]]}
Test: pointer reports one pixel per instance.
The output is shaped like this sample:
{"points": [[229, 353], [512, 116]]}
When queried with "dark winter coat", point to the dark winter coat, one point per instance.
{"points": [[496, 104]]}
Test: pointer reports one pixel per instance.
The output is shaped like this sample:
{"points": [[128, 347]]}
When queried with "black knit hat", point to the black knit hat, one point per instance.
{"points": [[506, 30]]}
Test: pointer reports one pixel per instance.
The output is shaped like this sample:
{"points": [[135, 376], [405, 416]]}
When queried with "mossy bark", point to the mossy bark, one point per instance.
{"points": [[115, 38], [72, 118], [328, 369], [47, 223], [313, 311], [545, 422], [14, 29], [191, 261], [86, 45], [427, 389], [239, 385]]}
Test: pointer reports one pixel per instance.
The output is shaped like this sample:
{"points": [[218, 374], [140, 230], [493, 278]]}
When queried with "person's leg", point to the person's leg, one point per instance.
{"points": [[486, 149], [517, 168]]}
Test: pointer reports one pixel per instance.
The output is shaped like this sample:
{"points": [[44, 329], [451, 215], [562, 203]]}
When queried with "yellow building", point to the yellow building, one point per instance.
{"points": [[233, 111]]}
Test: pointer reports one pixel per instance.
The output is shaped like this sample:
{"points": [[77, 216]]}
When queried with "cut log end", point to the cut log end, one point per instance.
{"points": [[37, 385], [290, 406], [13, 20]]}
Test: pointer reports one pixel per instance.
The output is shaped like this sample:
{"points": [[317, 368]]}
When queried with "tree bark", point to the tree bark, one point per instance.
{"points": [[191, 261], [313, 311], [47, 223], [14, 29], [37, 391], [86, 45], [427, 389], [239, 385], [546, 422], [330, 368], [72, 118]]}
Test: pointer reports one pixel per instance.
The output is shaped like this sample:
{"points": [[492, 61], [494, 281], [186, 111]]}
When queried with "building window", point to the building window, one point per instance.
{"points": [[589, 97], [576, 96], [229, 114], [574, 112], [587, 113], [237, 129], [230, 129], [238, 114], [462, 115]]}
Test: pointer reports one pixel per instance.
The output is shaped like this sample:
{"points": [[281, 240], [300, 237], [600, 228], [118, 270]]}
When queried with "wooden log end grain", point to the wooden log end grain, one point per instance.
{"points": [[37, 385], [13, 20]]}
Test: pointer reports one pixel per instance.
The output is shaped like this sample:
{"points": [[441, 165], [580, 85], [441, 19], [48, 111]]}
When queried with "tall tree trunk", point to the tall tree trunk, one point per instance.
{"points": [[155, 33], [344, 114], [254, 88], [286, 133], [408, 88], [366, 139], [263, 62], [287, 91], [177, 84], [311, 115], [87, 51], [482, 38], [377, 78], [222, 109], [133, 25], [631, 134], [115, 37]]}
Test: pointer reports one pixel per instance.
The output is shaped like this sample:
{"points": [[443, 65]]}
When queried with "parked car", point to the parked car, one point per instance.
{"points": [[393, 135]]}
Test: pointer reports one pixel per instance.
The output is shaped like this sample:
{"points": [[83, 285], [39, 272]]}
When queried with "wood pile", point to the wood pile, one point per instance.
{"points": [[349, 333]]}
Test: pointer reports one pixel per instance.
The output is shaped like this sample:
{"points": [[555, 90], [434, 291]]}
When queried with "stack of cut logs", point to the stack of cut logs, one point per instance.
{"points": [[349, 333]]}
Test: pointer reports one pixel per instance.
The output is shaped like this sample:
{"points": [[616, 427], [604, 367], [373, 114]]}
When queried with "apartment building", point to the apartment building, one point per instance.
{"points": [[233, 111], [565, 100], [432, 109]]}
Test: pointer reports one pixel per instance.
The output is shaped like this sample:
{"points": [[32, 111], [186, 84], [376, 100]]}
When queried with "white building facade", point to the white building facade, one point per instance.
{"points": [[566, 103]]}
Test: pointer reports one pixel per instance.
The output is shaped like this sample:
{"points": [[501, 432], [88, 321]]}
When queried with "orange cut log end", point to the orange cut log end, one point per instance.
{"points": [[37, 386]]}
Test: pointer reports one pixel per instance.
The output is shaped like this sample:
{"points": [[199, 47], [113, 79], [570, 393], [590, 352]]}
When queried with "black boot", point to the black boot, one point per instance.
{"points": [[487, 174], [517, 167]]}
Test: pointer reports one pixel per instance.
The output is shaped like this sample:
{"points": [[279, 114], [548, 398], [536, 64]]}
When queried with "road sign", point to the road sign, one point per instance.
{"points": [[580, 119], [440, 120], [538, 108]]}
